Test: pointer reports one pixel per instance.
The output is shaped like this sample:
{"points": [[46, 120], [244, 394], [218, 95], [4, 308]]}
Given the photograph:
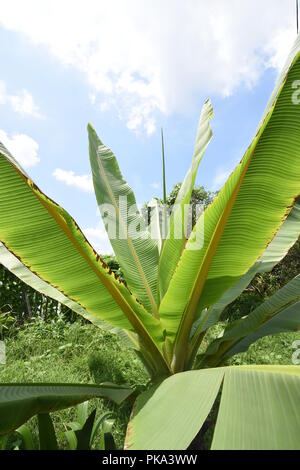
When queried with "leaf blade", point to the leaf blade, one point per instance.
{"points": [[248, 211], [285, 238], [15, 266], [46, 432], [19, 402], [278, 314], [45, 238], [259, 410], [138, 256], [174, 243], [163, 418]]}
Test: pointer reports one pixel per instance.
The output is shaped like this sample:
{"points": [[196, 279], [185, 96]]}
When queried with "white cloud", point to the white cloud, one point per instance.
{"points": [[278, 46], [220, 178], [149, 57], [155, 185], [82, 182], [22, 103], [22, 147], [98, 238]]}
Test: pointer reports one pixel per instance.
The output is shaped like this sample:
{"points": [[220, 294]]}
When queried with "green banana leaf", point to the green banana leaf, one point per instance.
{"points": [[279, 314], [45, 238], [26, 436], [19, 402], [159, 418], [100, 424], [287, 236], [259, 409], [47, 436], [109, 442], [82, 413], [175, 242], [12, 263], [248, 212], [137, 255], [106, 438], [84, 434]]}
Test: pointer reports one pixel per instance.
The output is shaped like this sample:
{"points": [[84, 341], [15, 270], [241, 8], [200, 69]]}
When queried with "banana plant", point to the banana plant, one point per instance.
{"points": [[81, 434], [177, 288], [86, 427]]}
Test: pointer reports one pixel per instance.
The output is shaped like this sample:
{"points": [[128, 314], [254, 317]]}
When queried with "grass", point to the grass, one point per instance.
{"points": [[80, 352], [276, 349], [271, 350]]}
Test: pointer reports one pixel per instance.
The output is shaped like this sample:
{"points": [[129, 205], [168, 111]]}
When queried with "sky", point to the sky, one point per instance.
{"points": [[131, 67]]}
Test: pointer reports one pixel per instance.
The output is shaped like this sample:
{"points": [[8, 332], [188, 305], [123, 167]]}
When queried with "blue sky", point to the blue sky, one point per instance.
{"points": [[130, 68]]}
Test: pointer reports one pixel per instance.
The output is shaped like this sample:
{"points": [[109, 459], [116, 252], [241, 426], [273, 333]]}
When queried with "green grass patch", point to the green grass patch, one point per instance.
{"points": [[77, 353], [81, 353]]}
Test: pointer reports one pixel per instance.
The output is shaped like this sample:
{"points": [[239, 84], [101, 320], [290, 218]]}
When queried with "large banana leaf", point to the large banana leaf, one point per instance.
{"points": [[45, 238], [279, 314], [244, 217], [131, 241], [169, 416], [175, 242], [19, 402], [47, 436], [287, 236], [259, 409], [12, 263]]}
